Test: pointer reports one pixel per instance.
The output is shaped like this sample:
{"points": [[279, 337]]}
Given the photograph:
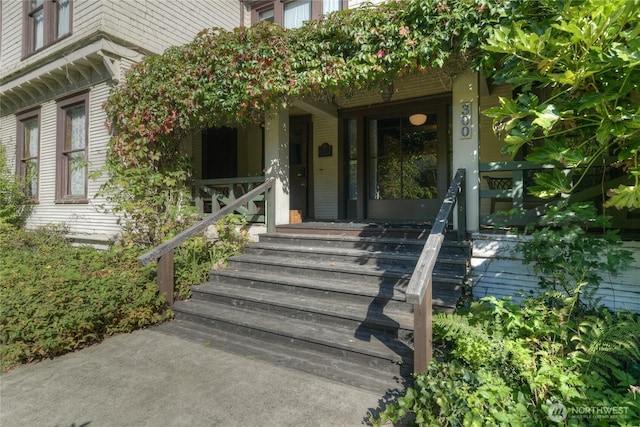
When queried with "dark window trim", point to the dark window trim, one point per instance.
{"points": [[278, 9], [62, 165], [20, 169], [50, 26]]}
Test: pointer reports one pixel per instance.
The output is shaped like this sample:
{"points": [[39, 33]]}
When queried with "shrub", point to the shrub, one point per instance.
{"points": [[507, 364], [569, 259], [195, 258], [57, 298], [15, 205]]}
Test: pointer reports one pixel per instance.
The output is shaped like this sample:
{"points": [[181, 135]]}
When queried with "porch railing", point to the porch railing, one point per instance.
{"points": [[420, 288], [509, 180], [164, 252], [211, 195]]}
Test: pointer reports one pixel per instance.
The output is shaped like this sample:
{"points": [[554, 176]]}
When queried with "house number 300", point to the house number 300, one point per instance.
{"points": [[465, 120]]}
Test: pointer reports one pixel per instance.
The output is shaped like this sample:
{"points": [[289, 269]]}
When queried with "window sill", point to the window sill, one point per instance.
{"points": [[31, 53], [79, 201]]}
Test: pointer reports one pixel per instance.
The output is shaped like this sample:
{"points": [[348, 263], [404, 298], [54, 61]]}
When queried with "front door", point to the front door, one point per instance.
{"points": [[398, 161], [299, 141]]}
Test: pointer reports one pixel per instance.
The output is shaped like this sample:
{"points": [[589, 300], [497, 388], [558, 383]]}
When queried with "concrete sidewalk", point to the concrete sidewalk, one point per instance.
{"points": [[148, 378]]}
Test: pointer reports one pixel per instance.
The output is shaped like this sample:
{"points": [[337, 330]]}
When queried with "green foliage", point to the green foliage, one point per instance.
{"points": [[584, 55], [234, 77], [506, 363], [194, 259], [150, 189], [569, 259], [57, 298], [15, 206]]}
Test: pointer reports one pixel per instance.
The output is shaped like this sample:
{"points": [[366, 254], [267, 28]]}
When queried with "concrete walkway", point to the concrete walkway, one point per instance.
{"points": [[148, 378]]}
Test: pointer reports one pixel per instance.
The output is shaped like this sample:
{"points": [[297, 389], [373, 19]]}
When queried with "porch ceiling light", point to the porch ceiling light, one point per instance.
{"points": [[418, 119]]}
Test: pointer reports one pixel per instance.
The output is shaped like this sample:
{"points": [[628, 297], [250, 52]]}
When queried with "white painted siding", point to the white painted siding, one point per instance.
{"points": [[325, 169], [79, 218], [8, 127], [496, 269], [149, 26], [11, 34], [158, 24]]}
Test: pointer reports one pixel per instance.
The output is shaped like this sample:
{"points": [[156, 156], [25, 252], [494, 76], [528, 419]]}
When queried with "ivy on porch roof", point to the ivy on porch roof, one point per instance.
{"points": [[584, 52]]}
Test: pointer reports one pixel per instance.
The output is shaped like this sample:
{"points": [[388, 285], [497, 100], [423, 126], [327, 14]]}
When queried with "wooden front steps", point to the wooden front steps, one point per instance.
{"points": [[326, 299]]}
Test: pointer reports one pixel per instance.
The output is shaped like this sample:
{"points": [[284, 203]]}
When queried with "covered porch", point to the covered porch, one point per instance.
{"points": [[361, 159]]}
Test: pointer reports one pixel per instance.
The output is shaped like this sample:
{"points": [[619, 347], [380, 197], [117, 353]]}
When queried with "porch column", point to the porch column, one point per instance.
{"points": [[466, 142], [276, 160]]}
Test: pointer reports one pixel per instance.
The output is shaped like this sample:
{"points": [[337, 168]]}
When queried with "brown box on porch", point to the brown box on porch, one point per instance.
{"points": [[295, 216]]}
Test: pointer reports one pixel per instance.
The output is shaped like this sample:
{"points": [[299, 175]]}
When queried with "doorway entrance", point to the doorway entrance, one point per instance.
{"points": [[397, 160], [299, 164], [219, 153]]}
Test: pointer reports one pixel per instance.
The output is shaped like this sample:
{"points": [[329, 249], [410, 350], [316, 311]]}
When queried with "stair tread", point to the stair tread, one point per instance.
{"points": [[367, 239], [336, 266], [327, 306], [353, 252], [333, 368], [440, 296], [379, 345]]}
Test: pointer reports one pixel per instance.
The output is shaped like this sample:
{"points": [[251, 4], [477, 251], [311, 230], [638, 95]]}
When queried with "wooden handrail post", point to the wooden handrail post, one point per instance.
{"points": [[270, 200], [422, 332], [165, 276], [462, 210]]}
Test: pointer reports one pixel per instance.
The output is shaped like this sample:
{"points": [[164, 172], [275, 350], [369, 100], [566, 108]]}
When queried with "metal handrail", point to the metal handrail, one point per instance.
{"points": [[419, 290], [164, 251]]}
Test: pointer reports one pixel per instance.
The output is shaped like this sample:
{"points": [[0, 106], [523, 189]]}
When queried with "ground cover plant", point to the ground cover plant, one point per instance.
{"points": [[195, 258], [508, 364], [56, 298]]}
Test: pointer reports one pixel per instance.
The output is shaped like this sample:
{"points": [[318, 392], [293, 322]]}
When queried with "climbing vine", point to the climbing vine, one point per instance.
{"points": [[234, 77]]}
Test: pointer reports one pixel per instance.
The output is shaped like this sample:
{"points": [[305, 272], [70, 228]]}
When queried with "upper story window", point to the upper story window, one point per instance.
{"points": [[44, 23], [28, 150], [72, 149], [293, 13]]}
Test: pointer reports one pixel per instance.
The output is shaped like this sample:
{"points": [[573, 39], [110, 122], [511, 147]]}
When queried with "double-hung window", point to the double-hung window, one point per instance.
{"points": [[28, 151], [293, 13], [44, 23], [72, 149]]}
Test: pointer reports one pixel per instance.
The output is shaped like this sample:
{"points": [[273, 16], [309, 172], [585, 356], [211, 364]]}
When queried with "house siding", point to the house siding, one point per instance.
{"points": [[497, 270], [11, 34], [158, 24], [8, 127], [151, 26], [84, 218], [405, 88], [119, 29]]}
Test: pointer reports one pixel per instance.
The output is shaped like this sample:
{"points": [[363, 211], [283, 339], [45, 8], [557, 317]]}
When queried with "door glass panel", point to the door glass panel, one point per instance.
{"points": [[351, 129], [403, 159], [419, 159]]}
